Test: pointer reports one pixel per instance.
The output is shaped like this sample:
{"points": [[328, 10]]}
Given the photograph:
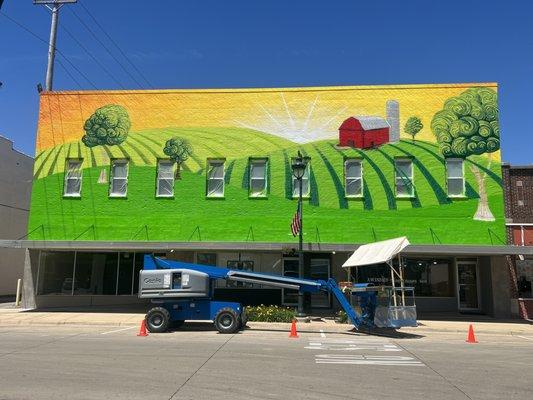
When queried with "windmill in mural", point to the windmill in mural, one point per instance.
{"points": [[108, 126], [468, 125]]}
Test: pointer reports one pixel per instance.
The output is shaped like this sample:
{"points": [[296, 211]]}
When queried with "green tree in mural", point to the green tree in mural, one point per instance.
{"points": [[109, 125], [179, 150], [468, 125], [413, 126]]}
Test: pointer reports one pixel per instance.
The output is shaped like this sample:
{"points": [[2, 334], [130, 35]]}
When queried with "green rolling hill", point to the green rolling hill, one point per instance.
{"points": [[431, 217]]}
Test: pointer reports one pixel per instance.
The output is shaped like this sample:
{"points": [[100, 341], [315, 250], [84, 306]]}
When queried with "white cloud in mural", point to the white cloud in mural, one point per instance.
{"points": [[299, 122]]}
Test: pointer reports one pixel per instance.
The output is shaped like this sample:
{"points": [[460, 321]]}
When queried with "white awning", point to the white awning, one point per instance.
{"points": [[376, 253]]}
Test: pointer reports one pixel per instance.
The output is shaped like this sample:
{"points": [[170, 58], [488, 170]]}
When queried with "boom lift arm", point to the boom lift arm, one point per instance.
{"points": [[214, 273]]}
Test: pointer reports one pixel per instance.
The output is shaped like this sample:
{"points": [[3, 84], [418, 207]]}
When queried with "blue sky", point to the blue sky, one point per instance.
{"points": [[194, 44]]}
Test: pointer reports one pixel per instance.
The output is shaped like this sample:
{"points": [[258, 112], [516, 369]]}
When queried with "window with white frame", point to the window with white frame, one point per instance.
{"points": [[404, 178], [353, 176], [73, 176], [215, 178], [455, 177], [118, 183], [258, 177], [165, 178], [306, 189]]}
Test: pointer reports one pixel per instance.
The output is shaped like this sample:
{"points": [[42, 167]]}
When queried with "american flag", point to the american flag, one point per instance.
{"points": [[296, 223]]}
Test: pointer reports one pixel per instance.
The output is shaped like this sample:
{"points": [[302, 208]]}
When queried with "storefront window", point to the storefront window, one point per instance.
{"points": [[138, 266], [206, 259], [96, 273], [55, 273], [429, 277], [246, 266], [125, 273], [524, 269]]}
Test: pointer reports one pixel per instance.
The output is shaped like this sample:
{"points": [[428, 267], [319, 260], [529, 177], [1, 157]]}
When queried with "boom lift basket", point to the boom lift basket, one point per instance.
{"points": [[395, 306]]}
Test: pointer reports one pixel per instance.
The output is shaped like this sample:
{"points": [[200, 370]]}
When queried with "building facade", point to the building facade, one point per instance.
{"points": [[15, 190], [205, 176], [518, 184]]}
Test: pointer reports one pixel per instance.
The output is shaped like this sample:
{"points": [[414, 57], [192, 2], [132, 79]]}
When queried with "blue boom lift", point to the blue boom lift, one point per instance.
{"points": [[182, 291]]}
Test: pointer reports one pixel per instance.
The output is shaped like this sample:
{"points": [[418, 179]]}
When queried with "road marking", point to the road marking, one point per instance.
{"points": [[524, 337], [351, 345], [322, 334], [360, 359], [117, 330]]}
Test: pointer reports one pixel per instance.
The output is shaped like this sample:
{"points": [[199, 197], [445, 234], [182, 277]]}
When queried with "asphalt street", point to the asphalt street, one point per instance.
{"points": [[38, 362]]}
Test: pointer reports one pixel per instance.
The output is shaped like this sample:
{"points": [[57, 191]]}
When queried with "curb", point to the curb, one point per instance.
{"points": [[315, 327]]}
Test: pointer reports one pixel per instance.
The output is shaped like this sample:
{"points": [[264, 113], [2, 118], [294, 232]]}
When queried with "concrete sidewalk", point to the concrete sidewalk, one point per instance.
{"points": [[11, 316]]}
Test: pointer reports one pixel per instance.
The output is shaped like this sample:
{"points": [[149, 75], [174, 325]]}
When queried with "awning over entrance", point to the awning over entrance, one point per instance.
{"points": [[376, 253]]}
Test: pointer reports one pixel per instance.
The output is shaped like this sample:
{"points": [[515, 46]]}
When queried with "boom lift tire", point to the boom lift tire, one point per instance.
{"points": [[244, 318], [227, 321], [157, 320]]}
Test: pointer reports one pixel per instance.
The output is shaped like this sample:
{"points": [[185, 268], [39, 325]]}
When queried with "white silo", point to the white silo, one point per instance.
{"points": [[393, 118]]}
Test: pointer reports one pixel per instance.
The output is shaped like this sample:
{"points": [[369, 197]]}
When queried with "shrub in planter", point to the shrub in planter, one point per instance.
{"points": [[264, 313], [341, 317]]}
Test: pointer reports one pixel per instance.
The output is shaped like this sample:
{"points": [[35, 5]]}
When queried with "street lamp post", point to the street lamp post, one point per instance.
{"points": [[299, 166]]}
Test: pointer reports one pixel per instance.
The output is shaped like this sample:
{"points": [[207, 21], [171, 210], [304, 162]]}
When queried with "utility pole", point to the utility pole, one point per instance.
{"points": [[53, 6]]}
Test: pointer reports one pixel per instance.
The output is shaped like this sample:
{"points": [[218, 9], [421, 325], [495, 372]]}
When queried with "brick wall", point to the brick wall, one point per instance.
{"points": [[518, 200], [518, 187]]}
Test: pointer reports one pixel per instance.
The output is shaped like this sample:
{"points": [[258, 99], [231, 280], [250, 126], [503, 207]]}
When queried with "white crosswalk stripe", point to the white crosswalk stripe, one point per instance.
{"points": [[361, 359], [346, 348]]}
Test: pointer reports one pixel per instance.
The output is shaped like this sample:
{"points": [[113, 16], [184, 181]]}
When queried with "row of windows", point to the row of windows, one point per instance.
{"points": [[258, 178]]}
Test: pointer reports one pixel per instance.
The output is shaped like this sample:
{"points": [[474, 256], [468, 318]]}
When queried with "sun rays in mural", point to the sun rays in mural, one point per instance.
{"points": [[296, 120]]}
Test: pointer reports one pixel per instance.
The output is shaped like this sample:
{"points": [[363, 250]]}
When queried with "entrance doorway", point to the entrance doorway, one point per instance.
{"points": [[468, 286], [289, 297]]}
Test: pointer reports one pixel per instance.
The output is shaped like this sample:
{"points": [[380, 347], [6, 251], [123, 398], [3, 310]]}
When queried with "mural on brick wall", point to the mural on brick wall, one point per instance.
{"points": [[415, 160]]}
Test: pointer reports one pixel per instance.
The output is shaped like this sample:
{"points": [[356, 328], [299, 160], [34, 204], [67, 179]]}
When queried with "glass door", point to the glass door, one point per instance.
{"points": [[289, 297], [467, 286], [320, 269]]}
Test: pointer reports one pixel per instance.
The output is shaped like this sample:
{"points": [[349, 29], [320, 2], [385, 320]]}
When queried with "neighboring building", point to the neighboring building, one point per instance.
{"points": [[518, 185], [15, 190], [364, 132], [106, 191]]}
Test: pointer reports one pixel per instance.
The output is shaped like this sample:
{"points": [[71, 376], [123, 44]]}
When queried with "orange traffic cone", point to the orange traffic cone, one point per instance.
{"points": [[293, 334], [471, 337], [142, 331]]}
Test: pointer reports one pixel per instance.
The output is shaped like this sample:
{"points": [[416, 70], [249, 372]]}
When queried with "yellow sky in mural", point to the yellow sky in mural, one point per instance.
{"points": [[299, 114]]}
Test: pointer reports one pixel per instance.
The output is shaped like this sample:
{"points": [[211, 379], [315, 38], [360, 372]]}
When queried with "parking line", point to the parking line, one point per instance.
{"points": [[524, 337], [322, 334], [118, 330]]}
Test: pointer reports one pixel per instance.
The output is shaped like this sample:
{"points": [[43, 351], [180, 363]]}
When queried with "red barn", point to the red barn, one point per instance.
{"points": [[364, 132]]}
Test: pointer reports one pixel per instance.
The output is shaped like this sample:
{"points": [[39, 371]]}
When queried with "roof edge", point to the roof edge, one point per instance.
{"points": [[275, 89]]}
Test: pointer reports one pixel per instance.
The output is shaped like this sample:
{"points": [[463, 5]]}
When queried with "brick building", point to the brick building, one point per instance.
{"points": [[101, 202], [518, 192]]}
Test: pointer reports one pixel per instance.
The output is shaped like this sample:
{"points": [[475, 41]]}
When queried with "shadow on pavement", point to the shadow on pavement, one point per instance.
{"points": [[115, 309]]}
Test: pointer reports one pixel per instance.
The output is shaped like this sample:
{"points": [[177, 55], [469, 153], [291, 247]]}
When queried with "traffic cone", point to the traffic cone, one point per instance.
{"points": [[471, 337], [293, 334], [142, 331]]}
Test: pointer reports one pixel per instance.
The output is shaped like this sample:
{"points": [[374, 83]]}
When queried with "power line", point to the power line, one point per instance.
{"points": [[104, 46], [46, 42], [68, 72], [115, 44], [92, 56]]}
